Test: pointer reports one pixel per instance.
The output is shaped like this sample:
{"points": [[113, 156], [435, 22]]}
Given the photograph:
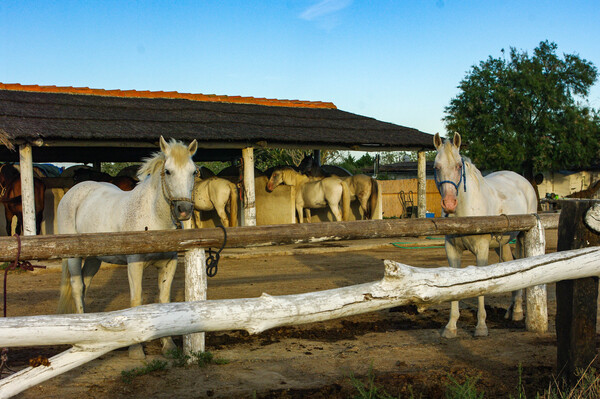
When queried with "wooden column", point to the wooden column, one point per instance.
{"points": [[249, 191], [195, 290], [536, 317], [576, 299], [421, 185], [27, 193]]}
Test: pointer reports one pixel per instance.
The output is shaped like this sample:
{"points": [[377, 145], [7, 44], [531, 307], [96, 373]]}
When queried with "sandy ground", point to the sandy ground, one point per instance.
{"points": [[400, 347]]}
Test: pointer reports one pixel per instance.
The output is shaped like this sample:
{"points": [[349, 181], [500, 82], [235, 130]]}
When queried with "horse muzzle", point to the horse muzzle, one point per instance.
{"points": [[182, 210]]}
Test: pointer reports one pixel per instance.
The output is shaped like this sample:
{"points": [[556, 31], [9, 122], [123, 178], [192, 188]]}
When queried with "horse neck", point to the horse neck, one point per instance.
{"points": [[473, 192], [293, 178], [149, 192]]}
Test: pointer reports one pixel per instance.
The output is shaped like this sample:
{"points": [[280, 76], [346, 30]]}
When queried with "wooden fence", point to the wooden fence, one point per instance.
{"points": [[397, 194], [95, 334]]}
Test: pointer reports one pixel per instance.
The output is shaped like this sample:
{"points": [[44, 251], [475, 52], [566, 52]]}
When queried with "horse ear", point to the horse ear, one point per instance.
{"points": [[193, 147], [437, 141], [164, 146], [456, 140]]}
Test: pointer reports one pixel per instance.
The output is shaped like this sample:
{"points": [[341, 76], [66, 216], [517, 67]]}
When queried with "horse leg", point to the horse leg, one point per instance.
{"points": [[481, 255], [454, 257], [77, 286], [90, 268], [135, 270], [8, 216], [335, 209], [38, 222], [515, 310], [299, 210], [308, 215], [222, 215], [166, 272]]}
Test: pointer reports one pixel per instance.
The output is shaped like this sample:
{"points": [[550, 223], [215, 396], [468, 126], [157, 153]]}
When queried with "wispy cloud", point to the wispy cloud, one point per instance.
{"points": [[324, 7]]}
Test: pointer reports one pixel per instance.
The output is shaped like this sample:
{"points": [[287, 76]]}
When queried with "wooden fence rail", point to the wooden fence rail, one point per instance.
{"points": [[81, 245], [97, 333]]}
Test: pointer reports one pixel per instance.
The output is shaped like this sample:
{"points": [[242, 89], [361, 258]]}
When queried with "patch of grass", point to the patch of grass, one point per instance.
{"points": [[587, 387], [466, 390], [129, 375], [179, 359], [369, 390], [202, 359]]}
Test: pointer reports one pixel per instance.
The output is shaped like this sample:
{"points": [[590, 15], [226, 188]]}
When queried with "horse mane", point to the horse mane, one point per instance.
{"points": [[154, 164]]}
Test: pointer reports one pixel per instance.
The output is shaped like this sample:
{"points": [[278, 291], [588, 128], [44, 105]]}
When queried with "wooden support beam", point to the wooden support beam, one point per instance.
{"points": [[576, 300], [249, 189], [421, 184], [27, 193], [96, 244]]}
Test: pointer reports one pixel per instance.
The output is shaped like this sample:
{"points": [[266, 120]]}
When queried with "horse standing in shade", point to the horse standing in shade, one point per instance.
{"points": [[317, 193], [216, 193], [363, 188], [465, 192], [10, 195], [159, 202]]}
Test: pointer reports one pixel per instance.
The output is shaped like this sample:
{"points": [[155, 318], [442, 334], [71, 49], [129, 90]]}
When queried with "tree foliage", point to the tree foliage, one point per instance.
{"points": [[527, 113]]}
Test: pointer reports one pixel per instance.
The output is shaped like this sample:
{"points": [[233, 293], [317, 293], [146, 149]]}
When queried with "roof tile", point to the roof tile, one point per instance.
{"points": [[167, 94]]}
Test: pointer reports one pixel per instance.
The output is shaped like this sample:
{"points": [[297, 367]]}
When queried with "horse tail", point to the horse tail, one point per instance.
{"points": [[373, 199], [345, 201], [233, 206], [66, 304]]}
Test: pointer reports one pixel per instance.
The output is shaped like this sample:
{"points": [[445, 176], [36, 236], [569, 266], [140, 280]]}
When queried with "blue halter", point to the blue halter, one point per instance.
{"points": [[462, 179]]}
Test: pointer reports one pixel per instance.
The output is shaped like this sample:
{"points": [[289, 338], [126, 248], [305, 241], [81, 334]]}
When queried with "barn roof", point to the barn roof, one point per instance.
{"points": [[82, 124]]}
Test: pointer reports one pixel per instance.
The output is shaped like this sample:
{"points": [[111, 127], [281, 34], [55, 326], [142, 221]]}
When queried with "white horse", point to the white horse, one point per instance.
{"points": [[160, 201], [313, 193], [465, 192]]}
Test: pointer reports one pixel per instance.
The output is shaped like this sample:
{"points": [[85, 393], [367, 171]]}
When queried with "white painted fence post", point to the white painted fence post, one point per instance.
{"points": [[421, 184], [195, 290], [27, 192], [536, 319], [249, 189]]}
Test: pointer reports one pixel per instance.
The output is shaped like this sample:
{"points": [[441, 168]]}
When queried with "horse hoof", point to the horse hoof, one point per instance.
{"points": [[517, 316], [449, 333], [136, 352], [481, 331], [168, 346]]}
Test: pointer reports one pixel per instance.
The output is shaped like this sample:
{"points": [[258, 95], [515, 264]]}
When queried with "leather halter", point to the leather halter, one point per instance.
{"points": [[463, 179]]}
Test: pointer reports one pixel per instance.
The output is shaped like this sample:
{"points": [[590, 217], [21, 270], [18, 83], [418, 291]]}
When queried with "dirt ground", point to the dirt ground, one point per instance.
{"points": [[401, 348]]}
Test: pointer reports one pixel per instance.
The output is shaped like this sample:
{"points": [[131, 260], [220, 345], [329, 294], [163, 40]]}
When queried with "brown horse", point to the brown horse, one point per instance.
{"points": [[10, 184]]}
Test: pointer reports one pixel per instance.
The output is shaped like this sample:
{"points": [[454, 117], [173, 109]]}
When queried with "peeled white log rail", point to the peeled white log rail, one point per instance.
{"points": [[97, 333]]}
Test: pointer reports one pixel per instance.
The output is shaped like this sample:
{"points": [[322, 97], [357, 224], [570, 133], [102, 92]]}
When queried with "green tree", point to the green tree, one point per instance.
{"points": [[527, 113]]}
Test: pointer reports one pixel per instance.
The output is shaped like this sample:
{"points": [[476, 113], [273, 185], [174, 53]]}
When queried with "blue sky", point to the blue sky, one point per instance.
{"points": [[397, 61]]}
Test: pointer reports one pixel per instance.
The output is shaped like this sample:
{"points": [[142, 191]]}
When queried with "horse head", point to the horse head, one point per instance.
{"points": [[275, 179], [449, 171], [177, 171]]}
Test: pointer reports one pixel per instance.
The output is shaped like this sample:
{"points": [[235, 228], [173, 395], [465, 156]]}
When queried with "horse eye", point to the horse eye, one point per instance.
{"points": [[167, 172]]}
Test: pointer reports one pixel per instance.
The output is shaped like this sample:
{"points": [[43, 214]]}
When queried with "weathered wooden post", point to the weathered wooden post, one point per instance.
{"points": [[576, 299], [421, 184], [536, 319], [249, 189], [195, 290], [27, 193]]}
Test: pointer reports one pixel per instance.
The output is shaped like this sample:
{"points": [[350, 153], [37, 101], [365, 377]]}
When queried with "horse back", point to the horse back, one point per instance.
{"points": [[91, 206], [512, 193]]}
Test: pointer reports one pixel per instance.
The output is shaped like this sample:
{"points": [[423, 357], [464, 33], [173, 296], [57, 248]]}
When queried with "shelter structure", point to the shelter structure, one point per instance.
{"points": [[68, 124]]}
